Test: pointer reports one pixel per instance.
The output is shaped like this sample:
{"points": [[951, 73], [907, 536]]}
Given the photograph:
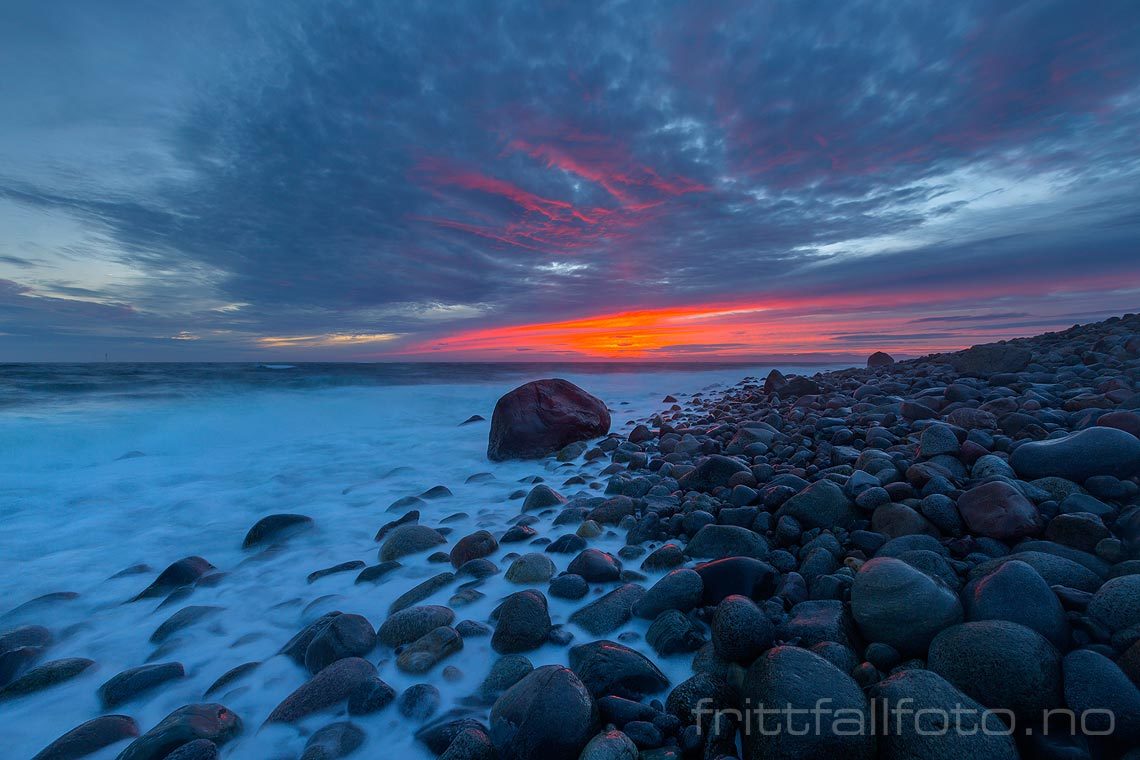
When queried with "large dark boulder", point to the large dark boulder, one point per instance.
{"points": [[186, 724], [607, 667], [998, 510], [897, 604], [541, 417], [332, 686], [795, 681], [1097, 689], [90, 737], [919, 700], [1017, 593], [548, 715], [1000, 664], [1079, 456]]}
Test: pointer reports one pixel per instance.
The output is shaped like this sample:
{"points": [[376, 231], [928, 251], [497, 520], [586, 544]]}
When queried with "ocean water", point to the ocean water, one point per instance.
{"points": [[103, 467]]}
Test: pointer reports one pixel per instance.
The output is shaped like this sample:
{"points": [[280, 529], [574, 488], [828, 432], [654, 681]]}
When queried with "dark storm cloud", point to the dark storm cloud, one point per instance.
{"points": [[410, 167]]}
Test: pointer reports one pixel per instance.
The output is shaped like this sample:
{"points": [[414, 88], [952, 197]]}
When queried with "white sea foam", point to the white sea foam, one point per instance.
{"points": [[75, 512]]}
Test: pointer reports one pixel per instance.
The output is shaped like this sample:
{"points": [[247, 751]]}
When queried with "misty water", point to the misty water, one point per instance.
{"points": [[106, 467]]}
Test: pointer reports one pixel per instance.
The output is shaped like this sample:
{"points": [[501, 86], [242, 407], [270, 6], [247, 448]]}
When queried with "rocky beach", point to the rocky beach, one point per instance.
{"points": [[930, 558]]}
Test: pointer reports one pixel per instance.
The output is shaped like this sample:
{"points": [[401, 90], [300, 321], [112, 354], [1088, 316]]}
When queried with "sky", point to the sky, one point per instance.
{"points": [[272, 180]]}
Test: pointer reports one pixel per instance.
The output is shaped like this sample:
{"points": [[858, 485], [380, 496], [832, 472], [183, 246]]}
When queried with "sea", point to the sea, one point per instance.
{"points": [[109, 467]]}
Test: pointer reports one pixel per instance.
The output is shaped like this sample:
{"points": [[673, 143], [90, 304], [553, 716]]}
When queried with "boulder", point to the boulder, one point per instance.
{"points": [[1000, 664], [186, 724], [1017, 593], [913, 734], [1100, 692], [680, 589], [90, 737], [711, 473], [822, 504], [548, 715], [879, 359], [524, 623], [897, 604], [409, 539], [998, 510], [1080, 455], [542, 416], [332, 686], [797, 681], [608, 668]]}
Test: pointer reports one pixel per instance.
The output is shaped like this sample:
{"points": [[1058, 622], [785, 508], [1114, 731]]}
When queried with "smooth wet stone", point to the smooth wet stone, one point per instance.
{"points": [[421, 591], [231, 675], [789, 676], [419, 701], [568, 544], [45, 675], [1096, 689], [740, 631], [505, 673], [89, 737], [132, 683], [595, 566], [820, 620], [606, 667], [429, 650], [470, 744], [475, 546], [673, 632], [330, 687], [1000, 664], [897, 604], [711, 473], [1116, 604], [344, 636], [568, 586], [548, 715], [518, 533], [534, 567], [664, 557], [821, 504], [343, 567], [409, 539], [745, 576], [609, 612], [334, 741], [179, 621], [376, 573], [409, 624], [541, 497], [181, 573], [523, 623], [199, 749], [718, 541], [926, 734], [1015, 592], [1080, 455], [610, 745], [209, 721], [274, 528], [680, 589], [998, 510]]}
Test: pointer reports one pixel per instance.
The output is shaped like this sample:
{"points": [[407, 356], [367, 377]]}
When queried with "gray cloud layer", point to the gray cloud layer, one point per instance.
{"points": [[229, 172]]}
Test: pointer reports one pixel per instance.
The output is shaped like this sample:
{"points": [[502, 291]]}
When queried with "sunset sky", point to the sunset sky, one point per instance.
{"points": [[272, 180]]}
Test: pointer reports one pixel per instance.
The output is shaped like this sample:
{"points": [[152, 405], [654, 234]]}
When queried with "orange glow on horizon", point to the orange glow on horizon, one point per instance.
{"points": [[846, 324]]}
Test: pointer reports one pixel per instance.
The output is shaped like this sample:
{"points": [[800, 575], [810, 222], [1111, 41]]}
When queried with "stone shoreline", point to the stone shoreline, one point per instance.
{"points": [[960, 531]]}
